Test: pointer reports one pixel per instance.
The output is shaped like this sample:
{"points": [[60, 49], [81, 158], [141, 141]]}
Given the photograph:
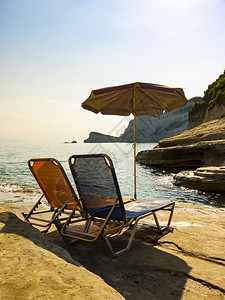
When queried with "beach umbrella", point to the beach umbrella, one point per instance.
{"points": [[135, 98]]}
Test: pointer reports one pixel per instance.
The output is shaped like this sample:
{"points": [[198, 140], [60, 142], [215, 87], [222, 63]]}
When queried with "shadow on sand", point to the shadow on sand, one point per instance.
{"points": [[145, 272]]}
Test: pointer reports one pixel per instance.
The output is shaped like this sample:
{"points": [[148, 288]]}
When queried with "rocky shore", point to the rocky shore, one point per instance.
{"points": [[187, 263], [203, 145], [198, 148]]}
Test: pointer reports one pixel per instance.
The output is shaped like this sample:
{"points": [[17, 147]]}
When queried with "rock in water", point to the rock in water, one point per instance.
{"points": [[210, 179]]}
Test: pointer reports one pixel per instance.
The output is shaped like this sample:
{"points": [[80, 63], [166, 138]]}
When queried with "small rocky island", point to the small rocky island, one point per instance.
{"points": [[73, 142], [201, 147]]}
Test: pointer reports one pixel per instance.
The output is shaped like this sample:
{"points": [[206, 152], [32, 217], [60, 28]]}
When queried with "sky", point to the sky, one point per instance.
{"points": [[54, 52]]}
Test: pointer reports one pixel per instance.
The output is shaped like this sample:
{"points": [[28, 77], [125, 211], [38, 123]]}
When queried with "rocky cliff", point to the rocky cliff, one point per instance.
{"points": [[199, 146], [150, 128]]}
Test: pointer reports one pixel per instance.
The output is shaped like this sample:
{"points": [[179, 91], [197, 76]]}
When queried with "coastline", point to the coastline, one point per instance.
{"points": [[188, 263]]}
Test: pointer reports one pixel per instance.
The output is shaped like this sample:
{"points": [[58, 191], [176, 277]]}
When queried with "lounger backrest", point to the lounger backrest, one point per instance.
{"points": [[53, 181], [96, 181]]}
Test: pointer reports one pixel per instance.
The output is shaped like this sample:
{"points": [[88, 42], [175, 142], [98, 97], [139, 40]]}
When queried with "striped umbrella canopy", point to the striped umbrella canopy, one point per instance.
{"points": [[136, 98]]}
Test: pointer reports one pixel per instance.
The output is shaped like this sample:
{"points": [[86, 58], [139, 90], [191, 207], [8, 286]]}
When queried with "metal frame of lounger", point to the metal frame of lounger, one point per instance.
{"points": [[58, 211], [106, 214], [127, 248]]}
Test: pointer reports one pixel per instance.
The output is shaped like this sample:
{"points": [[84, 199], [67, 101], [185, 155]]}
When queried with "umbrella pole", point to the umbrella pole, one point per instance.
{"points": [[134, 113], [135, 188]]}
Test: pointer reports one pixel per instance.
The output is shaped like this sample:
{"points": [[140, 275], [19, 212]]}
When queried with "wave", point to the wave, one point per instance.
{"points": [[15, 188]]}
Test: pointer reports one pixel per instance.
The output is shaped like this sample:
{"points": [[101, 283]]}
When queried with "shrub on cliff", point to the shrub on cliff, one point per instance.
{"points": [[215, 94]]}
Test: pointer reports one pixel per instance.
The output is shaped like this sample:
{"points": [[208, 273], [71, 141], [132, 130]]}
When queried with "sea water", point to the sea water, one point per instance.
{"points": [[18, 185]]}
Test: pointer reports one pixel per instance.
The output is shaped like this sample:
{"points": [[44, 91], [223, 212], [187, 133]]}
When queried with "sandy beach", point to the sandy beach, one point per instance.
{"points": [[187, 263]]}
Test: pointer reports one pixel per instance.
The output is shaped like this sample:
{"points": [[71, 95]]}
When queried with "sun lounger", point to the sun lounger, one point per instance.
{"points": [[99, 192], [58, 192]]}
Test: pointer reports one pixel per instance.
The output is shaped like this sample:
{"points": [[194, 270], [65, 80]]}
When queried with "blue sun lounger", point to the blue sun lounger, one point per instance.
{"points": [[99, 192]]}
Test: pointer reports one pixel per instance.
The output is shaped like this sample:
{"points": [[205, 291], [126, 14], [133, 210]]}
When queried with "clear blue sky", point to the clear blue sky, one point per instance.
{"points": [[54, 52]]}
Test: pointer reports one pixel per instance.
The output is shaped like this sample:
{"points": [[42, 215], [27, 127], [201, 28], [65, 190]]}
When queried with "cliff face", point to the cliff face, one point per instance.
{"points": [[154, 128], [197, 114], [150, 128]]}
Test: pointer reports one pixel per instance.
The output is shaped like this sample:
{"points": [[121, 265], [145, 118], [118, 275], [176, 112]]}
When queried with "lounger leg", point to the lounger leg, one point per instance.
{"points": [[59, 228], [87, 225], [72, 239], [127, 248], [50, 224], [161, 229], [115, 254], [27, 216], [171, 214], [157, 223]]}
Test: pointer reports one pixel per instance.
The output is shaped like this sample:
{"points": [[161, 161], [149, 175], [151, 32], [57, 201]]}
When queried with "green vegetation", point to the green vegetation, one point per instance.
{"points": [[200, 102], [215, 94]]}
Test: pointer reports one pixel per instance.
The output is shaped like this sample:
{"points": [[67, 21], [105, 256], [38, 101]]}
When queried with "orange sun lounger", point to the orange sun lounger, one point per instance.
{"points": [[57, 190]]}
